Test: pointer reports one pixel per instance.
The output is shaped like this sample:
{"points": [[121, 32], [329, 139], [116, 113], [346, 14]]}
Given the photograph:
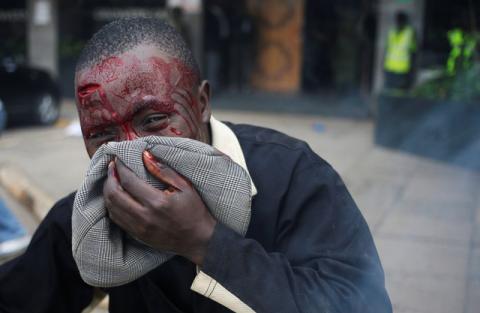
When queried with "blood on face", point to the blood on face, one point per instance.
{"points": [[111, 93], [175, 131]]}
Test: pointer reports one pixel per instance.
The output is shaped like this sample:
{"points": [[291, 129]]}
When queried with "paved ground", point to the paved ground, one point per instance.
{"points": [[425, 215]]}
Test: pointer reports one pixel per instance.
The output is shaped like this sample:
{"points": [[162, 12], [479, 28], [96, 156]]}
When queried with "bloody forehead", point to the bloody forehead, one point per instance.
{"points": [[153, 74], [109, 92]]}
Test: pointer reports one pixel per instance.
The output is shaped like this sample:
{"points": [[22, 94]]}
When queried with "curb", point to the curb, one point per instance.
{"points": [[19, 185]]}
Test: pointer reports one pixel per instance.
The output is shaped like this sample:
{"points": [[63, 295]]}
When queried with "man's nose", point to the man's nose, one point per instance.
{"points": [[131, 136], [129, 133]]}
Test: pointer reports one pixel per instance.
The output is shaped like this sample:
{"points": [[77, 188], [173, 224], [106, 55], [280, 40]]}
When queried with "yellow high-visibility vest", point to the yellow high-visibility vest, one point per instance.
{"points": [[401, 43]]}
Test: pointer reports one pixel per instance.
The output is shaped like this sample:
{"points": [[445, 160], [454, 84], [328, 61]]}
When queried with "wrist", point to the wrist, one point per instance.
{"points": [[202, 238]]}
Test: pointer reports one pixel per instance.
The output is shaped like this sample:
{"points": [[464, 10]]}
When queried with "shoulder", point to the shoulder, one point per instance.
{"points": [[63, 207], [60, 215], [279, 163], [264, 135], [272, 145], [296, 187]]}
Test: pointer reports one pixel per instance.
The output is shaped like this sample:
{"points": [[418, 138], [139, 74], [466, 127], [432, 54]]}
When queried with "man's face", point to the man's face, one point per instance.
{"points": [[139, 93]]}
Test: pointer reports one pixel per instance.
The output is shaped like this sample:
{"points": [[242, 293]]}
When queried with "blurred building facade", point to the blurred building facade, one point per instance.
{"points": [[286, 46]]}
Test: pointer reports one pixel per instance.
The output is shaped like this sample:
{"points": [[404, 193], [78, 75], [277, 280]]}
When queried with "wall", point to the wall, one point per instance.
{"points": [[42, 35], [279, 52]]}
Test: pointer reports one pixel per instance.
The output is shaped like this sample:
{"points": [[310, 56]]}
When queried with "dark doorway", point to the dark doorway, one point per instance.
{"points": [[229, 41], [13, 31], [339, 40], [319, 36]]}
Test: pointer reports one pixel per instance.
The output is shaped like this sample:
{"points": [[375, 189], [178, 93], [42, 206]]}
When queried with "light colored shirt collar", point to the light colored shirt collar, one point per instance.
{"points": [[225, 140]]}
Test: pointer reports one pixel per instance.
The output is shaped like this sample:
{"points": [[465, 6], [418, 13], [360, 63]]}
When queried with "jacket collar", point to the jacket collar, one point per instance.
{"points": [[225, 140]]}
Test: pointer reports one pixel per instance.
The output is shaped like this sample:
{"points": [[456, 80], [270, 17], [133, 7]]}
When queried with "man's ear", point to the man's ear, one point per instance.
{"points": [[204, 101]]}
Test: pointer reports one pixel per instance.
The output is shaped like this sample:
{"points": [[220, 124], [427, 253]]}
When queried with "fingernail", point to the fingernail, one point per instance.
{"points": [[110, 168], [148, 155]]}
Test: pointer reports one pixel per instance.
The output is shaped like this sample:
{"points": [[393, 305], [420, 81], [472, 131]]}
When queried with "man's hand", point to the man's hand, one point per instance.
{"points": [[174, 220]]}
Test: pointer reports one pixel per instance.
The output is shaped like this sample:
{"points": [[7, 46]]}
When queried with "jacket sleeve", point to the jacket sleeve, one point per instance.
{"points": [[45, 278], [325, 259]]}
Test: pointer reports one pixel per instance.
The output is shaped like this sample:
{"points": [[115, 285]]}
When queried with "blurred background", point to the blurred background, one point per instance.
{"points": [[387, 91]]}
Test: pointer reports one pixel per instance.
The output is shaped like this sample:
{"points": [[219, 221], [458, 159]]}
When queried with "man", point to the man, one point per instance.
{"points": [[401, 46], [307, 249]]}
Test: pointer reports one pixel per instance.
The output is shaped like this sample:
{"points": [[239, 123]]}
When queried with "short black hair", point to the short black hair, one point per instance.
{"points": [[124, 34]]}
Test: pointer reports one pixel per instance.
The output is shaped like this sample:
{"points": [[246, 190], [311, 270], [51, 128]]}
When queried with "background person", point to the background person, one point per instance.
{"points": [[399, 56]]}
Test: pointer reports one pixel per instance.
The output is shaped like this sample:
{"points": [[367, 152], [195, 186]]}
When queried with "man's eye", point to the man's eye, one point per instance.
{"points": [[100, 135], [155, 121]]}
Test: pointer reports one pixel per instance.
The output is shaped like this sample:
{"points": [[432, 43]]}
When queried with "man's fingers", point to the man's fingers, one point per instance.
{"points": [[164, 173], [122, 208], [111, 185], [136, 187]]}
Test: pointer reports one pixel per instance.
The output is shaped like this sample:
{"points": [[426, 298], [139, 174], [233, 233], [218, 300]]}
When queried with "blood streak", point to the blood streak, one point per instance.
{"points": [[87, 91], [175, 131], [130, 132], [126, 126], [107, 105]]}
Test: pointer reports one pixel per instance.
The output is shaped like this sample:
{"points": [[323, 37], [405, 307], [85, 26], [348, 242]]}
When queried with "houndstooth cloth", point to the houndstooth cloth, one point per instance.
{"points": [[105, 255]]}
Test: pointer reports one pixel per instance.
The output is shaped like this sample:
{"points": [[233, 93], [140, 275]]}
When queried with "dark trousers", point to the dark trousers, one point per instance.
{"points": [[397, 81]]}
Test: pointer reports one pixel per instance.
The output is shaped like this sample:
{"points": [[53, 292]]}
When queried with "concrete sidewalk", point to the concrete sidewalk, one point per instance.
{"points": [[425, 215]]}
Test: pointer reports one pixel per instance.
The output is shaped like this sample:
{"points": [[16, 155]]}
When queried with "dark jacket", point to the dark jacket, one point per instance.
{"points": [[308, 249]]}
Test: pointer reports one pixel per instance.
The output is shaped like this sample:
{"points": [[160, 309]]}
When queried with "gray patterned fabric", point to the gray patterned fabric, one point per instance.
{"points": [[105, 255]]}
